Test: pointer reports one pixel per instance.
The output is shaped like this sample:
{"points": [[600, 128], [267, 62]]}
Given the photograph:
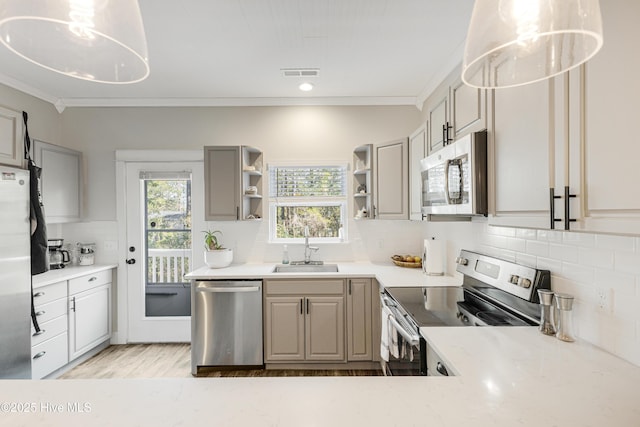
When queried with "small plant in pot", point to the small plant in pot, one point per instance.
{"points": [[215, 255]]}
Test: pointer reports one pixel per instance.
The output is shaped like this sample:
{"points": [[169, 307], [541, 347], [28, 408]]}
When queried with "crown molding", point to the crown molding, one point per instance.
{"points": [[29, 90], [454, 61]]}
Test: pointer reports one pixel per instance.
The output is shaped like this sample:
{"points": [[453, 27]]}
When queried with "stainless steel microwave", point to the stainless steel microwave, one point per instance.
{"points": [[454, 179]]}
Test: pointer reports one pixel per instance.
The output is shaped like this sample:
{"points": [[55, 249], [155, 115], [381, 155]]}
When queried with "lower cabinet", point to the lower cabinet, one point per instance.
{"points": [[304, 320], [359, 320], [74, 317]]}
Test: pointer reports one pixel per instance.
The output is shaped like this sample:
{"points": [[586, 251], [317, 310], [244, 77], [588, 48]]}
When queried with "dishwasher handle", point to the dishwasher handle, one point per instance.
{"points": [[226, 289]]}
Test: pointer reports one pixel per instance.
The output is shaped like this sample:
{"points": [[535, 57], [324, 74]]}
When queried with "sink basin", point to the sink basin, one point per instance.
{"points": [[306, 268]]}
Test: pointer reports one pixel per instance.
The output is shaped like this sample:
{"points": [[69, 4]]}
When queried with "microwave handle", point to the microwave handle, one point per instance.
{"points": [[447, 197], [456, 163]]}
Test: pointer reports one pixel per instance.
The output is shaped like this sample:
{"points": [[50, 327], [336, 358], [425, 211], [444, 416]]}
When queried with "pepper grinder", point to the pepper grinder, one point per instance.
{"points": [[564, 303], [546, 303]]}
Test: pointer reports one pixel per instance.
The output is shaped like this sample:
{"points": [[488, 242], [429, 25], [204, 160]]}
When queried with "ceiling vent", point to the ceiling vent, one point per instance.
{"points": [[300, 72]]}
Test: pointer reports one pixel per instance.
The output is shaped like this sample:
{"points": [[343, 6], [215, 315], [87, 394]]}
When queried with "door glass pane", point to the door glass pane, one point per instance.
{"points": [[167, 232]]}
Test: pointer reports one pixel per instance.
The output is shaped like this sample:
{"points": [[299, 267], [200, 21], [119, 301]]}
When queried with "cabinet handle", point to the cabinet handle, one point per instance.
{"points": [[349, 286], [73, 304], [39, 355], [301, 305], [307, 306], [40, 332], [449, 127], [567, 216], [552, 208], [93, 278], [40, 313], [238, 213], [38, 294], [444, 135]]}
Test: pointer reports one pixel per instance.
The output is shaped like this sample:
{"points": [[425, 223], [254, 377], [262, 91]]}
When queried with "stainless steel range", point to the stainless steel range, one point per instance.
{"points": [[494, 292]]}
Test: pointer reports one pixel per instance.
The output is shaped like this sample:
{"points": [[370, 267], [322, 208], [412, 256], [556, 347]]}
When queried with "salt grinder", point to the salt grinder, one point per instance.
{"points": [[546, 303], [564, 303]]}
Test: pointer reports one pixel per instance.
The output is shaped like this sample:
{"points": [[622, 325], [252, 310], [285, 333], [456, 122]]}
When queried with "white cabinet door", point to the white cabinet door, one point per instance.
{"points": [[61, 182], [468, 109], [521, 178], [417, 151], [11, 148], [438, 121], [392, 180], [611, 148], [89, 319]]}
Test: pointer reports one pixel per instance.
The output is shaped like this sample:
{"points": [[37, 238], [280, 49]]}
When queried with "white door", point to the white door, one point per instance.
{"points": [[164, 208]]}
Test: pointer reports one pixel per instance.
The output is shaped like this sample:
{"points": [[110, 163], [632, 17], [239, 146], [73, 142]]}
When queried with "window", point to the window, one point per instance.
{"points": [[307, 196]]}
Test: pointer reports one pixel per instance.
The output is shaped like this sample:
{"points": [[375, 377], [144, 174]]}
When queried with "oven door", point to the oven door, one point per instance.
{"points": [[410, 358]]}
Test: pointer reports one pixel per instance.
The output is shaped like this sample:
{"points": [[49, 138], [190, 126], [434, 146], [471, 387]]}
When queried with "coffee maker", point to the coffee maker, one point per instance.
{"points": [[58, 257]]}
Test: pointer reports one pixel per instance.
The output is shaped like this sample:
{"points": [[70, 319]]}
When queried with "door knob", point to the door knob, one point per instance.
{"points": [[131, 261]]}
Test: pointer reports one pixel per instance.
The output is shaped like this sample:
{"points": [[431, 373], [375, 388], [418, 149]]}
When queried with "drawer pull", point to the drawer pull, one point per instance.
{"points": [[38, 294], [40, 313], [39, 355], [94, 278], [40, 332]]}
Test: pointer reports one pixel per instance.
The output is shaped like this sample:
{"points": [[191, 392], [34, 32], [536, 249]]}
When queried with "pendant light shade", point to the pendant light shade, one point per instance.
{"points": [[97, 40], [515, 42]]}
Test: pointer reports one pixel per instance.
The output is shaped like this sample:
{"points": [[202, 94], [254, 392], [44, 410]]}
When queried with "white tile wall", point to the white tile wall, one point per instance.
{"points": [[586, 266]]}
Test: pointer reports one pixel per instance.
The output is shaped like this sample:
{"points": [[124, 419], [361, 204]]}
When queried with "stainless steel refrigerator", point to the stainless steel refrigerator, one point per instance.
{"points": [[15, 274]]}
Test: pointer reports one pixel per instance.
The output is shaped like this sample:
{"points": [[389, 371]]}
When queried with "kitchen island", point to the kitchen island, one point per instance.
{"points": [[506, 376]]}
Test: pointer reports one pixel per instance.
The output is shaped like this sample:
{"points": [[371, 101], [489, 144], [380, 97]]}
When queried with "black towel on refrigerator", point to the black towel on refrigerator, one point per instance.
{"points": [[39, 248]]}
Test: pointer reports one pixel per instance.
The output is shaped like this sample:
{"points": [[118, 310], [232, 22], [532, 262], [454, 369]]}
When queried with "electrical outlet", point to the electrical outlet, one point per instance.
{"points": [[110, 245], [604, 300]]}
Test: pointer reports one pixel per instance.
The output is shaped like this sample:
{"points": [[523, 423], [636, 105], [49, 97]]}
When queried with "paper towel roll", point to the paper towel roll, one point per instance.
{"points": [[433, 257]]}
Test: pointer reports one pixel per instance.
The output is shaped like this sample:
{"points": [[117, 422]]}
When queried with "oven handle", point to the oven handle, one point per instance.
{"points": [[412, 339]]}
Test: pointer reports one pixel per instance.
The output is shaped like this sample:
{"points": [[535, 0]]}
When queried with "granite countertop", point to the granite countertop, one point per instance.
{"points": [[387, 274], [507, 376], [67, 273]]}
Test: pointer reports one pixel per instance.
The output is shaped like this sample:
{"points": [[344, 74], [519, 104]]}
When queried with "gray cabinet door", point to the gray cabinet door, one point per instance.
{"points": [[468, 109], [438, 117], [417, 152], [359, 332], [284, 329], [11, 151], [222, 183], [324, 327], [392, 180]]}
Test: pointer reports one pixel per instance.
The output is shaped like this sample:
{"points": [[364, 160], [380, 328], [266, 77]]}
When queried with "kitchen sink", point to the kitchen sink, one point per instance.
{"points": [[306, 268]]}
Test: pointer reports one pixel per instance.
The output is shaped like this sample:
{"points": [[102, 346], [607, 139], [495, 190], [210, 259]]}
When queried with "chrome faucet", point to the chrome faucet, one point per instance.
{"points": [[308, 249]]}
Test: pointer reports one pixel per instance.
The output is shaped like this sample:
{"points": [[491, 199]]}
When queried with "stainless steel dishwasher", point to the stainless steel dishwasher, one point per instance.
{"points": [[226, 324]]}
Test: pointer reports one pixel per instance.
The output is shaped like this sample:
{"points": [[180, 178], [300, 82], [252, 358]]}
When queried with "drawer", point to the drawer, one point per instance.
{"points": [[49, 293], [89, 281], [46, 312], [49, 355], [49, 330], [305, 287]]}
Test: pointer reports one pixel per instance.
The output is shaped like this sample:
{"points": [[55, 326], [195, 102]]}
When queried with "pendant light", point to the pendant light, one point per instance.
{"points": [[98, 40], [515, 42]]}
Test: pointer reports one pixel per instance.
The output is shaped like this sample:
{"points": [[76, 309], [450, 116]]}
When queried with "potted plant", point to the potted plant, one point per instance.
{"points": [[215, 255]]}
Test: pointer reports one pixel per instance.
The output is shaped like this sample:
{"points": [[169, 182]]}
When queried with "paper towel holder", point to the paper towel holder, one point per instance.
{"points": [[427, 259]]}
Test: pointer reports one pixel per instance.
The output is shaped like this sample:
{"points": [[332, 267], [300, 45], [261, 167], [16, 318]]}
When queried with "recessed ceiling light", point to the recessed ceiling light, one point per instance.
{"points": [[305, 87]]}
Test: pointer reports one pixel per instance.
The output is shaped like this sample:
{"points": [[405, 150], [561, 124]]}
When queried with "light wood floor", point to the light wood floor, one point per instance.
{"points": [[172, 361]]}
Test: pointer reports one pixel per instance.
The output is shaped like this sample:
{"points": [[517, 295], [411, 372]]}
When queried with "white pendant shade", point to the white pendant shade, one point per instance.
{"points": [[515, 42], [97, 40]]}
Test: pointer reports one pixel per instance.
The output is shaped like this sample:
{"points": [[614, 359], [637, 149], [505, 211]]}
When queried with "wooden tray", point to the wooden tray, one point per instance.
{"points": [[407, 264]]}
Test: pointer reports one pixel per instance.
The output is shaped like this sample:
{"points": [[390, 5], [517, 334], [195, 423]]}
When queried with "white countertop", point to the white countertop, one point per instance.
{"points": [[67, 273], [508, 376], [387, 274]]}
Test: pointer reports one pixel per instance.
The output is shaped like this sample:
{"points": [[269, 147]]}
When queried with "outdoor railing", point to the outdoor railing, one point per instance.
{"points": [[168, 265]]}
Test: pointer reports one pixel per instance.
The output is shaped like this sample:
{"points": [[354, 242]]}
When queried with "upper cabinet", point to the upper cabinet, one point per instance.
{"points": [[11, 148], [454, 110], [233, 183], [61, 181], [417, 152], [392, 180]]}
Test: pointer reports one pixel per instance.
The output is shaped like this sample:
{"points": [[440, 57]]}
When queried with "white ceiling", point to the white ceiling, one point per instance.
{"points": [[231, 52]]}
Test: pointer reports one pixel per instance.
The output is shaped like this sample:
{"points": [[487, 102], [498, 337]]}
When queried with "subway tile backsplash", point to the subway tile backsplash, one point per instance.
{"points": [[601, 271]]}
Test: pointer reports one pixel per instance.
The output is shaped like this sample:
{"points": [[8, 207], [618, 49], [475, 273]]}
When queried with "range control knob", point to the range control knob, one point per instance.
{"points": [[525, 283], [514, 279], [462, 261]]}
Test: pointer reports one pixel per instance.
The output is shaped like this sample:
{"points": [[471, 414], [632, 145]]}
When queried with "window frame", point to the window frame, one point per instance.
{"points": [[341, 201]]}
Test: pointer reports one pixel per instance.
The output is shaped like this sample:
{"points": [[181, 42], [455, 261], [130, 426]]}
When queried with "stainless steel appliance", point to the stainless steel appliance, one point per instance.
{"points": [[15, 274], [226, 324], [454, 179], [494, 292]]}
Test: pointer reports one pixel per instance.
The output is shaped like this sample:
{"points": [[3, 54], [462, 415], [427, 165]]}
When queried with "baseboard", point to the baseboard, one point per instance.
{"points": [[322, 366]]}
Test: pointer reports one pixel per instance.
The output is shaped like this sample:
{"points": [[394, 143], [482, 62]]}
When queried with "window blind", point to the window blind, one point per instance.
{"points": [[307, 181]]}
